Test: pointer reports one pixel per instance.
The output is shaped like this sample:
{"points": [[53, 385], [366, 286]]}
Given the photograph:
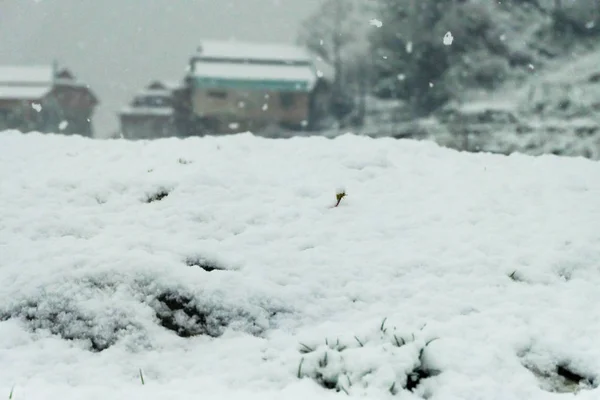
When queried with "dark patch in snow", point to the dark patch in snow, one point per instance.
{"points": [[188, 317], [205, 264], [158, 196], [573, 377], [563, 378], [515, 276], [61, 317], [178, 313], [90, 315], [421, 372]]}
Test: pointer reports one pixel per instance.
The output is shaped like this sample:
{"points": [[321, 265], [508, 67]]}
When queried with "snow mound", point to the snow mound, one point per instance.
{"points": [[100, 309], [221, 267], [387, 360]]}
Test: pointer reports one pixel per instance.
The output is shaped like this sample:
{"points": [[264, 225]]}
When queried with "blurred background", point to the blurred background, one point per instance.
{"points": [[117, 46], [476, 75]]}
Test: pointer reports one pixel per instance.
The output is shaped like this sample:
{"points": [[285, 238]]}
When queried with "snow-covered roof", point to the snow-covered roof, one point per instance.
{"points": [[31, 82], [272, 65], [154, 92], [8, 92], [237, 50], [166, 84], [233, 74], [26, 74]]}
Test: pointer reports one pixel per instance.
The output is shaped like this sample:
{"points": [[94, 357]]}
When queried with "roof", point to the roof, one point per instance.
{"points": [[154, 92], [23, 92], [32, 82], [240, 50], [163, 85], [236, 64], [26, 75]]}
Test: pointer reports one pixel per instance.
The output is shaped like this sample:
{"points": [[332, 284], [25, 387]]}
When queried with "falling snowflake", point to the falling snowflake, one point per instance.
{"points": [[409, 47], [531, 67], [430, 84], [401, 77], [448, 38], [36, 106], [63, 125], [376, 22], [265, 107], [234, 125]]}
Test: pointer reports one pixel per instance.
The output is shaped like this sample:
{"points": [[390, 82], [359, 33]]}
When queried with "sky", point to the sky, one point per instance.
{"points": [[118, 46]]}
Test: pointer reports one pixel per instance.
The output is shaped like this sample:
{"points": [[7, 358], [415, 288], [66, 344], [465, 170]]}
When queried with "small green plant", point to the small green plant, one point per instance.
{"points": [[142, 377], [339, 195], [12, 391]]}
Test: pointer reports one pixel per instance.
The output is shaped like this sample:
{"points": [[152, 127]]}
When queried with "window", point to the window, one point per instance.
{"points": [[287, 100], [217, 94]]}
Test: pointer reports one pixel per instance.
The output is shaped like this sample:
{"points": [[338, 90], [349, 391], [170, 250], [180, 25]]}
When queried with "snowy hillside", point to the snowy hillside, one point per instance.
{"points": [[218, 268]]}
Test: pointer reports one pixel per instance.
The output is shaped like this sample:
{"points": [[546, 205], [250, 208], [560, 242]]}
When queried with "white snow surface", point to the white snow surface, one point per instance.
{"points": [[30, 74], [11, 92], [426, 237], [239, 49]]}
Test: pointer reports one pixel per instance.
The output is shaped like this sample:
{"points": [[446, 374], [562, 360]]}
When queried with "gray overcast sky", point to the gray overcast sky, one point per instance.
{"points": [[117, 46]]}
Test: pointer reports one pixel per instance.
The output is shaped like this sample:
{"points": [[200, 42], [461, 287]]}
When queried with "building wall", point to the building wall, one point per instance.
{"points": [[146, 126], [73, 106], [241, 106]]}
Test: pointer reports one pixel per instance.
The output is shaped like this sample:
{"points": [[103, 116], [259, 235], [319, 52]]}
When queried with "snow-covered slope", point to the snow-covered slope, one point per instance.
{"points": [[461, 276]]}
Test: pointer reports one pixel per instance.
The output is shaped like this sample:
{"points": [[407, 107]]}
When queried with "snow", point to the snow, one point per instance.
{"points": [[474, 107], [263, 54], [23, 92], [495, 257], [29, 74], [255, 72], [155, 111], [240, 50], [169, 84], [155, 92], [448, 39], [561, 80]]}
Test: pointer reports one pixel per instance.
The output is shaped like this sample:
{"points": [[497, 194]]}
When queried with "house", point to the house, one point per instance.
{"points": [[242, 86], [45, 99], [150, 114]]}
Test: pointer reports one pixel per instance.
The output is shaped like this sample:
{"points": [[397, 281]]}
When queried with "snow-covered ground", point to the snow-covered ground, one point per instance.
{"points": [[461, 276]]}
